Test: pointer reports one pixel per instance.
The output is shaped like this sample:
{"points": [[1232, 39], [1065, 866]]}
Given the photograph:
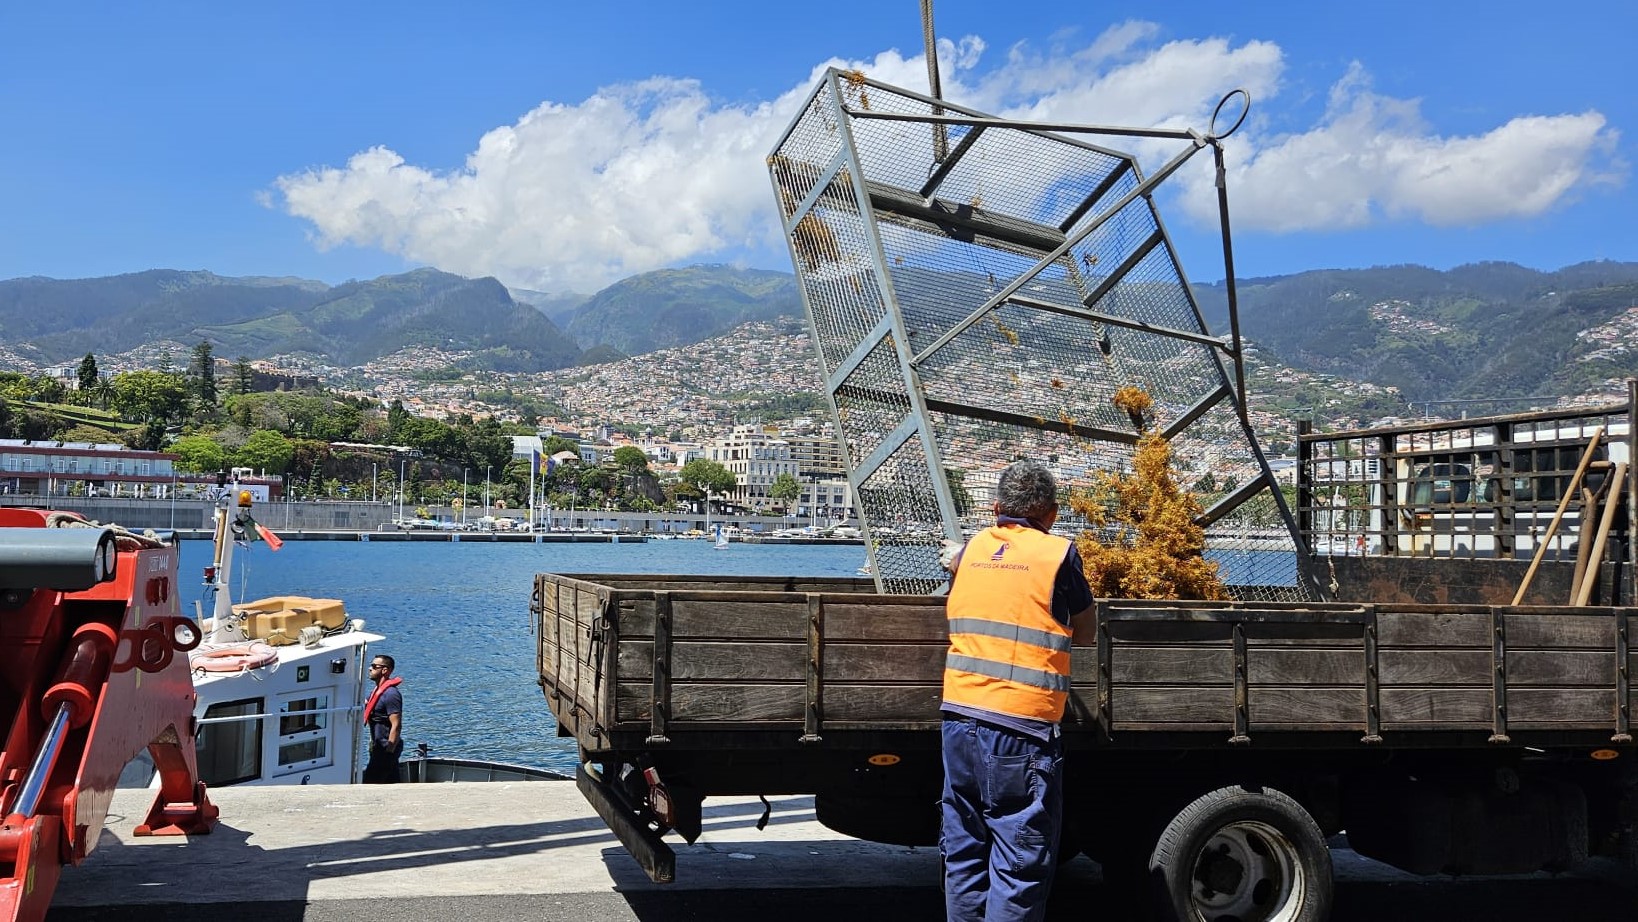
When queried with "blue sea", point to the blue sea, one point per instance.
{"points": [[456, 618]]}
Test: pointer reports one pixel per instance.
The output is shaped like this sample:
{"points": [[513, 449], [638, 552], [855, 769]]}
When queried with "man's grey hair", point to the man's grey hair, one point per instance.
{"points": [[1026, 490]]}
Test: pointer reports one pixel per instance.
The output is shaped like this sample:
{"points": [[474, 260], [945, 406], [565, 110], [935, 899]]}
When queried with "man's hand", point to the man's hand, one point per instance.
{"points": [[947, 554]]}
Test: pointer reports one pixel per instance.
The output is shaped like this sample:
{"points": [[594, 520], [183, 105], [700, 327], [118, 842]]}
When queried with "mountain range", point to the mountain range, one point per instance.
{"points": [[1475, 331]]}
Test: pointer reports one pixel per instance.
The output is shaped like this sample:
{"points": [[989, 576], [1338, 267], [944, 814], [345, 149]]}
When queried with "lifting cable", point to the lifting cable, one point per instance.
{"points": [[941, 141]]}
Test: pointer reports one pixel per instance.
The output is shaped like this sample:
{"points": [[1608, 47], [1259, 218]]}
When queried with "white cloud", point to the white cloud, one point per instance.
{"points": [[644, 175], [1372, 158]]}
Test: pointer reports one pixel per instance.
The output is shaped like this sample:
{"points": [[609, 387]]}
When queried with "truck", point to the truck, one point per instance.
{"points": [[979, 289], [1212, 748]]}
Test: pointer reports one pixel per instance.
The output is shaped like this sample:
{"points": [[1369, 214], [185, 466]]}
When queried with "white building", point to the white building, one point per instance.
{"points": [[756, 459]]}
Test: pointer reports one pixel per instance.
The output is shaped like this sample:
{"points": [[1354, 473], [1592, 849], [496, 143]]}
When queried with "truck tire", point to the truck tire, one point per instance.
{"points": [[1243, 854]]}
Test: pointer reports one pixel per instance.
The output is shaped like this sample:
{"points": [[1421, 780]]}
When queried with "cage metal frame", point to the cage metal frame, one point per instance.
{"points": [[830, 101]]}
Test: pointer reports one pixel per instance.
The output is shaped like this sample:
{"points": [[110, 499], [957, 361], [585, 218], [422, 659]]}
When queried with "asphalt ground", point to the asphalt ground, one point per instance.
{"points": [[535, 851]]}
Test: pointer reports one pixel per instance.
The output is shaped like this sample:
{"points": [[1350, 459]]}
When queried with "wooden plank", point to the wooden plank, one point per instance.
{"points": [[581, 662], [1561, 707], [639, 582], [813, 657], [1433, 629], [747, 703], [1127, 632], [912, 663], [1300, 633], [882, 703], [763, 620], [1558, 668], [1401, 667], [1560, 631], [908, 618], [1171, 665], [729, 703], [1177, 704], [1292, 666], [693, 661], [1404, 707], [1287, 708]]}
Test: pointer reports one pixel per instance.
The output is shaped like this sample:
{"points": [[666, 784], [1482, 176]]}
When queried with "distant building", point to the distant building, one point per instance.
{"points": [[822, 472], [50, 468], [756, 459]]}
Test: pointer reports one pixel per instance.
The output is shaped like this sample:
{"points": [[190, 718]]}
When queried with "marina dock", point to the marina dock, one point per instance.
{"points": [[511, 851]]}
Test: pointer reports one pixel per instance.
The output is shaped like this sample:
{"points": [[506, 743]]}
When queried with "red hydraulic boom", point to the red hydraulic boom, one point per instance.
{"points": [[90, 630]]}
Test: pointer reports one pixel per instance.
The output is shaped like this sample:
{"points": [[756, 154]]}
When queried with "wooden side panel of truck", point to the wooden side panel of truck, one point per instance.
{"points": [[663, 658]]}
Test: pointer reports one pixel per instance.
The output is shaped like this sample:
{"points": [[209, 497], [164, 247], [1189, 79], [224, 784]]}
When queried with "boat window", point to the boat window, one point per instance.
{"points": [[304, 731], [230, 752]]}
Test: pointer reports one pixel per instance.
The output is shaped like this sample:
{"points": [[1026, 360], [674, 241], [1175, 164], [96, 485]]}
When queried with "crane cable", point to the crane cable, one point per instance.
{"points": [[941, 141]]}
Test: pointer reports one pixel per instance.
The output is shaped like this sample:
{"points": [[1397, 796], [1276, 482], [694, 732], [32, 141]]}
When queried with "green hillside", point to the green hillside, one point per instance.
{"points": [[673, 307]]}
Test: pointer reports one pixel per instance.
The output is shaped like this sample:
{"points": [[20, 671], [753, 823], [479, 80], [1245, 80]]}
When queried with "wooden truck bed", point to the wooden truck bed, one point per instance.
{"points": [[634, 661]]}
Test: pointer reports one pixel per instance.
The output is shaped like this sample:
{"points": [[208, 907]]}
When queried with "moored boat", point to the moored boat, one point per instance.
{"points": [[280, 681]]}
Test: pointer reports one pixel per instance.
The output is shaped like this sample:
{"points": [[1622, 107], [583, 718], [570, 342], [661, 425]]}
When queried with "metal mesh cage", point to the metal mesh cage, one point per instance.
{"points": [[985, 306]]}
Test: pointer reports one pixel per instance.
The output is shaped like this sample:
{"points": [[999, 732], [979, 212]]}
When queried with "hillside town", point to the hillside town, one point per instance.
{"points": [[749, 400]]}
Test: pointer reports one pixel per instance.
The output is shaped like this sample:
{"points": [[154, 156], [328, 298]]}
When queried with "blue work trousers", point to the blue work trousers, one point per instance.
{"points": [[1002, 809]]}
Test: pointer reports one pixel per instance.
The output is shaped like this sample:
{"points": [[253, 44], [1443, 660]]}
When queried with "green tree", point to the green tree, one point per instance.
{"points": [[150, 396], [243, 377], [397, 418], [88, 374], [785, 488], [630, 459], [488, 445], [707, 476], [198, 453], [149, 436], [553, 444], [204, 373], [104, 391], [49, 390], [267, 450]]}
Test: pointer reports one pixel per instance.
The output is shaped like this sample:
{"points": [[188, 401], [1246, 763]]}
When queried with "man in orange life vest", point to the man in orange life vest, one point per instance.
{"points": [[384, 716], [1017, 590]]}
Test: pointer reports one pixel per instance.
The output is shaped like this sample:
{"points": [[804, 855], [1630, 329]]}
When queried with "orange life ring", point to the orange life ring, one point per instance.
{"points": [[238, 657]]}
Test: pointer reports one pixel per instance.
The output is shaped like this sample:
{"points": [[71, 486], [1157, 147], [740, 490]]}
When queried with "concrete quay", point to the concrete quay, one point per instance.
{"points": [[516, 850]]}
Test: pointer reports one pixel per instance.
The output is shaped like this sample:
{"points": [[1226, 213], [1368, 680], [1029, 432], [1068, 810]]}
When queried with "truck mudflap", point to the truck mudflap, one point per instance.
{"points": [[624, 819]]}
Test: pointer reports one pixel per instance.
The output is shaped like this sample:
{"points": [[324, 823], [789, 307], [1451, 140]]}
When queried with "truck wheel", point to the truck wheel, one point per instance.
{"points": [[1242, 854]]}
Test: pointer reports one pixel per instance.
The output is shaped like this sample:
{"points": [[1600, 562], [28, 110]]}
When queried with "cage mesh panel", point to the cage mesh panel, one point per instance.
{"points": [[1012, 198], [832, 244], [1061, 176], [904, 544], [872, 403]]}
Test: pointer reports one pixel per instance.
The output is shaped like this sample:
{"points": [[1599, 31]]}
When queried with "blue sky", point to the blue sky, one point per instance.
{"points": [[562, 146]]}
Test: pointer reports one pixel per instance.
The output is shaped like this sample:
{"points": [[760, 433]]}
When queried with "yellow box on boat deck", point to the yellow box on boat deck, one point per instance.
{"points": [[279, 620]]}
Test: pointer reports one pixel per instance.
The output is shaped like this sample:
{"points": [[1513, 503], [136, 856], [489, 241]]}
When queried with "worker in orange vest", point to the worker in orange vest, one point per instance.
{"points": [[1017, 590]]}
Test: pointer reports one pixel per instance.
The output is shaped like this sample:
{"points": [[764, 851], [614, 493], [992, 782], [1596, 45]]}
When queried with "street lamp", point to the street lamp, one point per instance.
{"points": [[463, 496], [486, 468], [374, 476], [401, 492]]}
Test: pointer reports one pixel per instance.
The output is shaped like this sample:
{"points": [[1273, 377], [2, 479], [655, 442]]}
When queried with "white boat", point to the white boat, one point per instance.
{"points": [[280, 681], [722, 539]]}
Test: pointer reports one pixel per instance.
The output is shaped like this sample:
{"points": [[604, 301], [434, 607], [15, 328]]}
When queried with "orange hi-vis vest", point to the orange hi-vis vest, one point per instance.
{"points": [[1007, 653]]}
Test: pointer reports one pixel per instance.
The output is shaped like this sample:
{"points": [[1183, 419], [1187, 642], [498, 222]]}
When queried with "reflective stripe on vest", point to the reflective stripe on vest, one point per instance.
{"points": [[1007, 653]]}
